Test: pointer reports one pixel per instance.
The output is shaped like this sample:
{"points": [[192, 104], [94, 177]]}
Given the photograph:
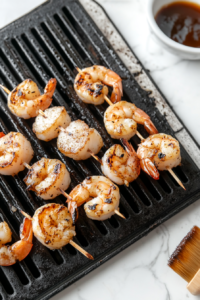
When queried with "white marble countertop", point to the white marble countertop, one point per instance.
{"points": [[141, 272]]}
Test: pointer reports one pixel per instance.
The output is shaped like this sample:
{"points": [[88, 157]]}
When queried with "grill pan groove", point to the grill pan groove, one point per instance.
{"points": [[50, 42]]}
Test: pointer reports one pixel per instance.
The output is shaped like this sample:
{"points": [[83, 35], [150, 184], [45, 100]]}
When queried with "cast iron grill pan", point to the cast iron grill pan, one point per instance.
{"points": [[50, 42]]}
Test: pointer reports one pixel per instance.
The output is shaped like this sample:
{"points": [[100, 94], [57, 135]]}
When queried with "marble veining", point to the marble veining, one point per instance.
{"points": [[141, 272]]}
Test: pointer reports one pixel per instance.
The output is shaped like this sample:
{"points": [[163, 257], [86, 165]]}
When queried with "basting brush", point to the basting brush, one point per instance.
{"points": [[185, 260]]}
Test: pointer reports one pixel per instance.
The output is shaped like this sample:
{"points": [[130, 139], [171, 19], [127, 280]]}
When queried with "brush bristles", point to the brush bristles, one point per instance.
{"points": [[185, 260]]}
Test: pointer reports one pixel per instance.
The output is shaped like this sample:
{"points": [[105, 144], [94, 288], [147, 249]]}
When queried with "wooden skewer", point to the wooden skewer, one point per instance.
{"points": [[176, 178], [27, 166], [108, 100], [119, 214], [25, 215], [66, 195], [42, 113], [5, 89], [126, 182], [139, 135], [81, 250], [96, 157]]}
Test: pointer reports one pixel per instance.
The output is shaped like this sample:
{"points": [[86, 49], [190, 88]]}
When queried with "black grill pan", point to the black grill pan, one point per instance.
{"points": [[50, 42]]}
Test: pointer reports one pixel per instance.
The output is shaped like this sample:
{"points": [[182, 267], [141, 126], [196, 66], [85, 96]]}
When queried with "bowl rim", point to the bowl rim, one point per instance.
{"points": [[162, 36]]}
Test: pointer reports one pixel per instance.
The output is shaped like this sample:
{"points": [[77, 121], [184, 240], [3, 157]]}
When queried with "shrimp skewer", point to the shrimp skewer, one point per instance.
{"points": [[120, 120], [9, 255], [159, 152], [151, 130], [47, 123], [15, 150], [46, 177], [89, 86], [25, 100], [77, 140], [119, 165], [53, 227], [100, 195]]}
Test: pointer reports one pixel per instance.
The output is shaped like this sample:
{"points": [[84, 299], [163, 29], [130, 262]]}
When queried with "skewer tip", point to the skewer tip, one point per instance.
{"points": [[90, 256], [176, 178], [119, 214], [85, 253]]}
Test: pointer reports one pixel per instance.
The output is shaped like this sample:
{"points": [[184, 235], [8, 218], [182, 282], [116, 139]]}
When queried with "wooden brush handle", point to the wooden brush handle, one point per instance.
{"points": [[194, 285]]}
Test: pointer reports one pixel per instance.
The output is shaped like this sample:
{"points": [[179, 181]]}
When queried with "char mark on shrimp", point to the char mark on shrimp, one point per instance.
{"points": [[61, 208], [161, 155], [98, 90], [108, 200], [80, 81], [19, 93], [57, 169], [92, 207], [171, 145]]}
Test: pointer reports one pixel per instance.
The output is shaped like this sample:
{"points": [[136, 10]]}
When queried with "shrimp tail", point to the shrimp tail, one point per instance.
{"points": [[149, 168], [120, 87], [73, 209], [23, 247], [50, 87], [150, 127], [142, 118], [2, 134], [116, 94], [129, 148], [26, 231]]}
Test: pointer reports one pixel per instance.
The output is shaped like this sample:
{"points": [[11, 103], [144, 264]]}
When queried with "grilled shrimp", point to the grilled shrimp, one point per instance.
{"points": [[119, 165], [121, 120], [78, 140], [159, 152], [52, 225], [46, 126], [25, 100], [101, 195], [46, 177], [9, 255], [89, 85], [15, 149]]}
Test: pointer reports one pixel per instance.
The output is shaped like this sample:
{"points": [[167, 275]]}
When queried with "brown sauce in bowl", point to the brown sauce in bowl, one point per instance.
{"points": [[180, 21]]}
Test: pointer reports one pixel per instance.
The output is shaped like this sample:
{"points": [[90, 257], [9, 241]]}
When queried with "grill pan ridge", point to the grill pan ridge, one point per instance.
{"points": [[50, 42]]}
